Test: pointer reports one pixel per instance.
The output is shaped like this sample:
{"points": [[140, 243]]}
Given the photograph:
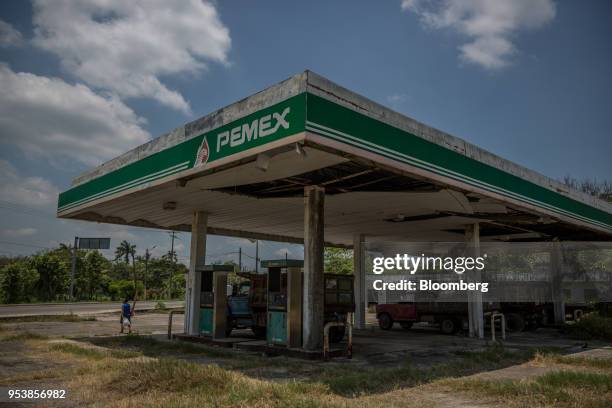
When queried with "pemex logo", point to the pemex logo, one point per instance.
{"points": [[203, 154]]}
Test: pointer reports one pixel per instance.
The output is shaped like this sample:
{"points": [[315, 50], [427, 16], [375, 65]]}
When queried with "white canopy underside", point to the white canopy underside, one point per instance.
{"points": [[346, 214]]}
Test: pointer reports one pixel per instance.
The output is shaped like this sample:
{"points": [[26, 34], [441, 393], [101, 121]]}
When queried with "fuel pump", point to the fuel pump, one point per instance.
{"points": [[284, 325], [213, 299]]}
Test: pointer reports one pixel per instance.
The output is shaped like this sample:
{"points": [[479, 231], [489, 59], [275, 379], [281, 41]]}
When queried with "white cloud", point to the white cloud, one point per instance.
{"points": [[396, 98], [20, 232], [51, 118], [127, 46], [489, 25], [28, 191], [9, 36], [396, 101]]}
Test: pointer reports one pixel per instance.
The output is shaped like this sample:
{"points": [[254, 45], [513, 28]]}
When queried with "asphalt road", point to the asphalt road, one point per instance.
{"points": [[76, 308]]}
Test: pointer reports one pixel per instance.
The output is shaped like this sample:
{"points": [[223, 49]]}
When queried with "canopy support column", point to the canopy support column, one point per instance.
{"points": [[556, 270], [361, 297], [475, 309], [313, 310], [193, 281]]}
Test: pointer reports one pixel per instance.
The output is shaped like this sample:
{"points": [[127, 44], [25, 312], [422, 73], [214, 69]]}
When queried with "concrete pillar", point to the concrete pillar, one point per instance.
{"points": [[313, 310], [361, 293], [197, 256], [556, 271], [475, 310], [220, 308]]}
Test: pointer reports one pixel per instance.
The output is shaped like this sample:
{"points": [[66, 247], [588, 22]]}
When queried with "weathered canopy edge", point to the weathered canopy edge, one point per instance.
{"points": [[269, 96], [244, 110], [327, 89]]}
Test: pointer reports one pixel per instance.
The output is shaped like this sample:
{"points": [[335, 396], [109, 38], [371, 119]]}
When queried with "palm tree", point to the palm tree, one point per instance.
{"points": [[126, 250]]}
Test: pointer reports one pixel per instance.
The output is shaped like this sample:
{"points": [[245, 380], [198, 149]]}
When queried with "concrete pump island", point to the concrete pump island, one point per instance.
{"points": [[309, 162]]}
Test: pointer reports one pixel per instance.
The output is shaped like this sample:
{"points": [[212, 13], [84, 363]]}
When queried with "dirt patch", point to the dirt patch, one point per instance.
{"points": [[104, 325]]}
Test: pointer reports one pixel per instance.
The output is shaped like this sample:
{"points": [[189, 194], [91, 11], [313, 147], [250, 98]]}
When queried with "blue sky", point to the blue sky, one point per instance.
{"points": [[527, 80]]}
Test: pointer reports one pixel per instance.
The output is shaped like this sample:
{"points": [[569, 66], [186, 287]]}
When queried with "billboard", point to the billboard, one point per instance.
{"points": [[94, 243]]}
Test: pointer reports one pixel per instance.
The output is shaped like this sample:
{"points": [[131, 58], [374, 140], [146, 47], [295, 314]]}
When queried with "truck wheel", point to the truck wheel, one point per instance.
{"points": [[385, 321], [406, 325], [515, 322], [259, 331], [448, 325], [336, 334]]}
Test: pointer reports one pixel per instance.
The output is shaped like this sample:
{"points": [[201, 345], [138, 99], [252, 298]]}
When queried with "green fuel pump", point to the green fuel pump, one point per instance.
{"points": [[284, 326], [213, 309]]}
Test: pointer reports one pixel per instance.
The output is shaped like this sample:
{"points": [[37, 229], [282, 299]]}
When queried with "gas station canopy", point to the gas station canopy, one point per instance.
{"points": [[384, 174]]}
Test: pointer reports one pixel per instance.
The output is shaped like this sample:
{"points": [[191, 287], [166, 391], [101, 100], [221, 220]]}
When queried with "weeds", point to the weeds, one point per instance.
{"points": [[559, 389], [592, 326], [93, 353], [603, 364], [346, 381], [23, 336]]}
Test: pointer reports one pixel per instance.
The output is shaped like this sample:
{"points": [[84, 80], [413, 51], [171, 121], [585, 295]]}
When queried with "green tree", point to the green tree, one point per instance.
{"points": [[338, 260], [94, 270], [53, 275], [175, 287], [121, 289], [126, 251], [18, 282]]}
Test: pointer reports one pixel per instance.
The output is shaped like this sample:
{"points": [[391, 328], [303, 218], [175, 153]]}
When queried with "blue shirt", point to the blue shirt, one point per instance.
{"points": [[125, 310]]}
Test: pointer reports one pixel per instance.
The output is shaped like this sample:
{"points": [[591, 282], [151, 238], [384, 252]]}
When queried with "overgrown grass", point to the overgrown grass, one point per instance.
{"points": [[599, 363], [151, 347], [113, 375], [338, 379], [350, 382], [23, 336], [173, 380], [558, 389], [93, 353], [592, 326], [30, 376], [47, 318], [155, 348], [170, 382]]}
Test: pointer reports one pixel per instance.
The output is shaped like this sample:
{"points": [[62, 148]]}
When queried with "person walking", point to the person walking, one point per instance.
{"points": [[126, 316]]}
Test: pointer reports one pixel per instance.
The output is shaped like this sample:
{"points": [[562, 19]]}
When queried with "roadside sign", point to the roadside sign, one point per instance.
{"points": [[94, 243]]}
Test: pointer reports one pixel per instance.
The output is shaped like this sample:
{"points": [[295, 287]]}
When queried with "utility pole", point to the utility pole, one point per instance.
{"points": [[240, 259], [146, 271], [256, 241], [73, 270], [173, 235]]}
